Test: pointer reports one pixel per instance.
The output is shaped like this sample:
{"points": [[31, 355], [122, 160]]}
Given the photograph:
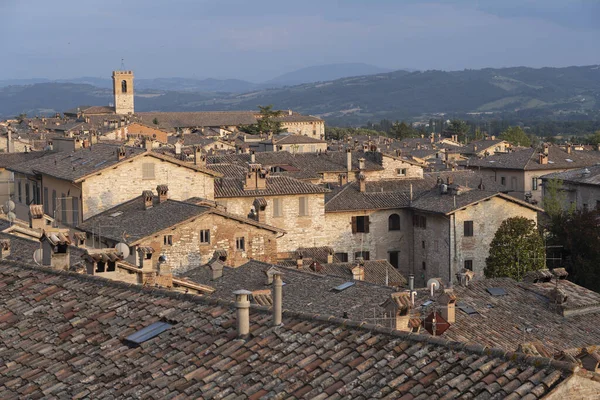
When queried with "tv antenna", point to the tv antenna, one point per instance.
{"points": [[122, 64]]}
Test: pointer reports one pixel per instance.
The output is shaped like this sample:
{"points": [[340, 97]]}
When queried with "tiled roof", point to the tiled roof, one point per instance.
{"points": [[380, 272], [10, 159], [91, 110], [130, 221], [523, 315], [22, 249], [528, 160], [276, 185], [585, 176], [481, 145], [63, 336], [293, 139]]}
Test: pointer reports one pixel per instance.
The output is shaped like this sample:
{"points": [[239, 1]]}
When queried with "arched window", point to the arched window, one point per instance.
{"points": [[394, 222], [124, 86]]}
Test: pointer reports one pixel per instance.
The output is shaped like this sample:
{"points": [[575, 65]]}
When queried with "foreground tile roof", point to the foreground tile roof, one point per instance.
{"points": [[62, 335]]}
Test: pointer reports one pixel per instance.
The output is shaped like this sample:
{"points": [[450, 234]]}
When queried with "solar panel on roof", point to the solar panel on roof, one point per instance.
{"points": [[497, 291], [466, 309], [100, 163], [148, 332], [343, 286]]}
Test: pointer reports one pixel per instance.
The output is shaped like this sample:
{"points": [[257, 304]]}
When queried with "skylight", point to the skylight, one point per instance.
{"points": [[467, 309], [497, 291], [569, 160], [343, 286], [116, 214], [148, 332]]}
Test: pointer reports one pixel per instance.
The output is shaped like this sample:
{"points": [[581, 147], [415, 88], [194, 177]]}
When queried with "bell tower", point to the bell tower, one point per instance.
{"points": [[123, 91]]}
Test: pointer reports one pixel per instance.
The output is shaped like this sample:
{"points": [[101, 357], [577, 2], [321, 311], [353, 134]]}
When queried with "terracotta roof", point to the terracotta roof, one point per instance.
{"points": [[276, 185], [380, 272], [75, 347], [91, 110]]}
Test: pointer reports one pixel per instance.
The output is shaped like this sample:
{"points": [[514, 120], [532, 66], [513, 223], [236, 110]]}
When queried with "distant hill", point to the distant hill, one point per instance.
{"points": [[552, 92], [329, 72]]}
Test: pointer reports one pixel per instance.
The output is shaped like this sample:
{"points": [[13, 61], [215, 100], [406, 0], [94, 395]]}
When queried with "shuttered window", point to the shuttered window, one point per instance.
{"points": [[75, 211], [63, 208], [277, 208], [147, 171], [360, 224], [303, 206], [468, 228]]}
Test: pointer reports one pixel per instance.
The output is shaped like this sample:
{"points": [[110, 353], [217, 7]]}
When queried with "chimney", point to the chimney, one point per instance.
{"points": [[589, 360], [362, 183], [198, 155], [343, 179], [398, 152], [399, 305], [260, 204], [148, 143], [568, 148], [77, 144], [543, 159], [242, 303], [545, 149], [493, 137], [121, 153], [148, 197], [178, 147], [474, 147], [361, 164], [299, 260], [349, 160], [277, 298], [9, 142], [447, 303], [145, 254], [55, 249], [165, 275], [465, 276], [36, 217], [329, 256], [4, 248], [162, 191], [252, 157], [216, 269], [256, 177], [358, 272]]}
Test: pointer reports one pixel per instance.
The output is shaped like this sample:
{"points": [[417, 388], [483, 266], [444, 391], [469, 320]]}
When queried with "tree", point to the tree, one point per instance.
{"points": [[555, 198], [517, 248], [516, 136], [266, 123], [460, 128], [402, 130], [155, 121]]}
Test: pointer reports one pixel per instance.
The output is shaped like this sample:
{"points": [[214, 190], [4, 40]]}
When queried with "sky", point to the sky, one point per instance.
{"points": [[261, 39]]}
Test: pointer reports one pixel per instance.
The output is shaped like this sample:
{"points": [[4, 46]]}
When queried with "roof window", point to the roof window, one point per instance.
{"points": [[467, 309], [497, 291], [147, 333], [343, 286]]}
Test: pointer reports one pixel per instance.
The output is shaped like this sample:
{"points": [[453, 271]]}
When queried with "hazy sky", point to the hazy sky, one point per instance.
{"points": [[259, 39]]}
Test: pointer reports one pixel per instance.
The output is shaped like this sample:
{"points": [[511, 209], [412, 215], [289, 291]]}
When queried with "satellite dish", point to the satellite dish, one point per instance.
{"points": [[11, 216], [38, 256], [433, 284], [123, 249], [162, 258], [9, 205]]}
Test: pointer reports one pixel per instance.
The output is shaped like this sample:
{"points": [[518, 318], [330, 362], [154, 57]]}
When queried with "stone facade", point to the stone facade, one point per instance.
{"points": [[126, 181], [314, 129], [136, 129], [394, 167], [123, 91], [302, 230]]}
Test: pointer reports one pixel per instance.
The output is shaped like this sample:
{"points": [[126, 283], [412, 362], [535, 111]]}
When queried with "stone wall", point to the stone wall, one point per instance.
{"points": [[124, 182], [392, 166], [314, 129], [301, 230], [577, 387]]}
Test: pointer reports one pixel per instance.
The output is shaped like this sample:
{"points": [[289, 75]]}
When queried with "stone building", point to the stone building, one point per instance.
{"points": [[180, 234], [75, 186], [430, 227], [293, 143], [123, 92], [581, 187]]}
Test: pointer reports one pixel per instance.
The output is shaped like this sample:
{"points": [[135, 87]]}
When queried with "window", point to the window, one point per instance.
{"points": [[63, 208], [401, 171], [19, 192], [303, 206], [394, 222], [343, 257], [124, 86], [313, 148], [597, 204], [394, 258], [469, 265], [534, 183], [364, 254], [168, 240], [503, 180], [422, 244], [314, 132], [277, 207], [46, 201], [205, 236], [240, 243], [147, 171], [360, 224], [420, 221], [468, 228], [75, 202], [27, 197], [424, 265]]}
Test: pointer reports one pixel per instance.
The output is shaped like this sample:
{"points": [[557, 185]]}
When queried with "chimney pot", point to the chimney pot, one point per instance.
{"points": [[148, 197], [162, 191], [277, 298], [361, 164], [242, 303], [362, 183], [349, 160]]}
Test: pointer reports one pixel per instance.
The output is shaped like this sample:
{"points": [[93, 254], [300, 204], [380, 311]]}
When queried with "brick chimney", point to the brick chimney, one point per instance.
{"points": [[358, 272], [465, 276], [198, 156], [36, 217], [242, 303], [299, 260], [256, 177], [362, 183], [178, 147], [348, 160], [546, 147], [216, 269], [162, 191], [4, 248], [148, 197], [399, 306], [343, 179], [447, 303], [55, 249], [330, 255], [121, 153], [277, 298], [543, 159]]}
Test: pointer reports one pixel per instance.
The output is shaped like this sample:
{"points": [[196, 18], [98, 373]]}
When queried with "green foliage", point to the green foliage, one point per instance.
{"points": [[21, 117], [555, 198], [337, 133], [155, 121], [594, 139], [267, 122], [516, 136], [517, 248], [402, 130], [460, 128], [577, 234]]}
